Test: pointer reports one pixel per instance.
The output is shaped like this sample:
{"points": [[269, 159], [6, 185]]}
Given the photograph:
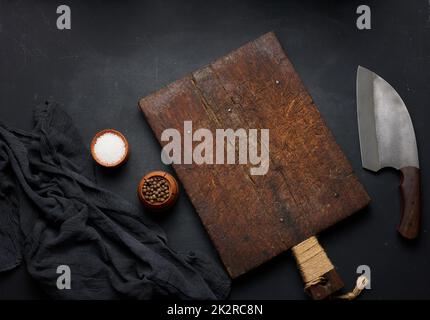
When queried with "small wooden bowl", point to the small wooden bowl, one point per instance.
{"points": [[173, 191], [99, 161]]}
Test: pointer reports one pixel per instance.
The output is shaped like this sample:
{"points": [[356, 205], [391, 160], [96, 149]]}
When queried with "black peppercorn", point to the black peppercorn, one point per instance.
{"points": [[156, 189]]}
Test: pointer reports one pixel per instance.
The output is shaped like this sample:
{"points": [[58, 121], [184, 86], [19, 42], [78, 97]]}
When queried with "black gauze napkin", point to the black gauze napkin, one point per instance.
{"points": [[113, 251]]}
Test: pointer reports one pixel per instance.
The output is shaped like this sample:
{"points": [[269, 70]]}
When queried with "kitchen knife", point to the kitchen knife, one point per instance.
{"points": [[387, 139]]}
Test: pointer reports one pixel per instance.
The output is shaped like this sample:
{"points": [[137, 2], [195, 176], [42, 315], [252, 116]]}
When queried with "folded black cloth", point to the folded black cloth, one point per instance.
{"points": [[112, 250]]}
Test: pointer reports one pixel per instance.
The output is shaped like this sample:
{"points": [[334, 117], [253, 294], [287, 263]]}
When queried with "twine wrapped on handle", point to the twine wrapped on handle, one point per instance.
{"points": [[314, 263]]}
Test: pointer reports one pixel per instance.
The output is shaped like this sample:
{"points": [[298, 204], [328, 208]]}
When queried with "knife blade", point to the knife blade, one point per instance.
{"points": [[387, 139]]}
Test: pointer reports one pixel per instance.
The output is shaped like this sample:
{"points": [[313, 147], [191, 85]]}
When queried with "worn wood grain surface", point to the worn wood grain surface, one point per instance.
{"points": [[309, 186]]}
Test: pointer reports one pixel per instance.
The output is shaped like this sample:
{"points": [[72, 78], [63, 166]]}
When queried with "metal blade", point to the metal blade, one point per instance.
{"points": [[387, 137]]}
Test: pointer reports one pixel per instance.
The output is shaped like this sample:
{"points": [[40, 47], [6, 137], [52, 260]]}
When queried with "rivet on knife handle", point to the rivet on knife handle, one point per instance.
{"points": [[411, 203]]}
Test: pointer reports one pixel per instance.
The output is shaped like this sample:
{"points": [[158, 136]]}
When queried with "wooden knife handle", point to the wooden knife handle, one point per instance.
{"points": [[411, 202]]}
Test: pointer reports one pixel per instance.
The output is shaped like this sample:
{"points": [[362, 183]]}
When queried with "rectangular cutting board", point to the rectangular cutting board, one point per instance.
{"points": [[309, 185]]}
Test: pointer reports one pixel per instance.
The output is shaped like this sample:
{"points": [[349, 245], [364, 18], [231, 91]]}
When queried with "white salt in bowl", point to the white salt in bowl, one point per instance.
{"points": [[109, 148]]}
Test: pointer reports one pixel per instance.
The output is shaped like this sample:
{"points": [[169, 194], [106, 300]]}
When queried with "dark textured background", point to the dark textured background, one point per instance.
{"points": [[119, 51]]}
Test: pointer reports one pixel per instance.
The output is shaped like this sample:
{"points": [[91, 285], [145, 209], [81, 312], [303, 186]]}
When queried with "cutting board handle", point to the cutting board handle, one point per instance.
{"points": [[411, 202], [319, 275]]}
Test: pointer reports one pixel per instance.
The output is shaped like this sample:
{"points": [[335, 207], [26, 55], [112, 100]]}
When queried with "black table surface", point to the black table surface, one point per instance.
{"points": [[120, 51]]}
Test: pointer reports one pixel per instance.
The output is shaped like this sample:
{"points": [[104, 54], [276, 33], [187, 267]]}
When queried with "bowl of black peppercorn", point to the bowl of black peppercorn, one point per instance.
{"points": [[158, 190]]}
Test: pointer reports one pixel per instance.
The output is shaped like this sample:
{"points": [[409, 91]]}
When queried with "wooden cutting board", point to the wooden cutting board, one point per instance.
{"points": [[309, 185]]}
